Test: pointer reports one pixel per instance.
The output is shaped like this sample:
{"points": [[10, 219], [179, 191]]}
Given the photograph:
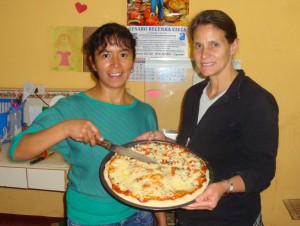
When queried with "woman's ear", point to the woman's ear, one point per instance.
{"points": [[92, 64], [234, 46]]}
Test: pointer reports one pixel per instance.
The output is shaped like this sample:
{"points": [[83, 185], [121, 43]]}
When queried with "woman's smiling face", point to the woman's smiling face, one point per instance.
{"points": [[213, 53], [113, 65]]}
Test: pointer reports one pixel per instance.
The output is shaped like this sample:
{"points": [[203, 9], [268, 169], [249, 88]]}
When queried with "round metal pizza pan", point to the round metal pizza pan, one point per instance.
{"points": [[141, 206]]}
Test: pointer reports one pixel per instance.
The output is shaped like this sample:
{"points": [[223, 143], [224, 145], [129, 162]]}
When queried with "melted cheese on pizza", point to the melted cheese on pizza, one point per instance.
{"points": [[179, 173]]}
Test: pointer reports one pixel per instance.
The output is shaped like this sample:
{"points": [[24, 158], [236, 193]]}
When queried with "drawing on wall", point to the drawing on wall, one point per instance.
{"points": [[157, 12], [66, 49]]}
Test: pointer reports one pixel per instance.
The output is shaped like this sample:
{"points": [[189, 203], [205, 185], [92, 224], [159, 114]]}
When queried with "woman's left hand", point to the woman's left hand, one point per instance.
{"points": [[209, 199]]}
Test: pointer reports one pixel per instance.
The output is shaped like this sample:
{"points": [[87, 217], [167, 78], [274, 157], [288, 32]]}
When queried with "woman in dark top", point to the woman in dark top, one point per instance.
{"points": [[230, 121]]}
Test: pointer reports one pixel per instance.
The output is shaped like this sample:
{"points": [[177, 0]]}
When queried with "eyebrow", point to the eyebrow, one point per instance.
{"points": [[105, 50]]}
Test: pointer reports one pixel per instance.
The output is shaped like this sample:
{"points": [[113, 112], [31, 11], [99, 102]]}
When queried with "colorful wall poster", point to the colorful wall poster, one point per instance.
{"points": [[157, 12]]}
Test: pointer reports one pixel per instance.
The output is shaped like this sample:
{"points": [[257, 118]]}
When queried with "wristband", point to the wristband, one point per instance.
{"points": [[229, 181]]}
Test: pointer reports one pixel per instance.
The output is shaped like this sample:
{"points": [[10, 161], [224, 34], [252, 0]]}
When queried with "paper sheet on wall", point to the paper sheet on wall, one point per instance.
{"points": [[160, 70]]}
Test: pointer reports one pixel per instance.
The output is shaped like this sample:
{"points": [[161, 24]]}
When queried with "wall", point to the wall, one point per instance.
{"points": [[269, 53]]}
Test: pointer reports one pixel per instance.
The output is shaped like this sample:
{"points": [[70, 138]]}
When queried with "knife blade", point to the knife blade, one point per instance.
{"points": [[125, 151]]}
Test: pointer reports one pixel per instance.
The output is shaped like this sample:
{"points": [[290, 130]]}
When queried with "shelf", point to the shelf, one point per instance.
{"points": [[49, 174]]}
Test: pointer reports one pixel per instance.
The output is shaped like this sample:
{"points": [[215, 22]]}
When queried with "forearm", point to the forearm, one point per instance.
{"points": [[33, 144]]}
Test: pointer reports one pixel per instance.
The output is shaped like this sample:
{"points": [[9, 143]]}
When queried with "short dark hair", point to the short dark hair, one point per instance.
{"points": [[110, 33], [218, 19]]}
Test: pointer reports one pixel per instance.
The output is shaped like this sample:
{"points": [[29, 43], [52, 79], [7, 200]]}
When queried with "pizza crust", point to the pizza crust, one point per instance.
{"points": [[115, 171], [154, 204]]}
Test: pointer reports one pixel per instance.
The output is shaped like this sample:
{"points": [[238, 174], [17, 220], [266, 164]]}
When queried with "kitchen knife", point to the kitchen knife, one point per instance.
{"points": [[40, 158], [125, 151]]}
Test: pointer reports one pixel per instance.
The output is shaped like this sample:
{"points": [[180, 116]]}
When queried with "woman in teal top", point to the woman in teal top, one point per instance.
{"points": [[74, 123]]}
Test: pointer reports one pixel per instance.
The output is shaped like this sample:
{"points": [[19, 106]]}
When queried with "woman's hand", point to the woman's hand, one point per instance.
{"points": [[83, 130], [152, 135], [80, 130], [209, 199]]}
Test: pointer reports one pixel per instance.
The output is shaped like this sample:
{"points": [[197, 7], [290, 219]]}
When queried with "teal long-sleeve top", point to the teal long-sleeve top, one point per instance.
{"points": [[87, 200]]}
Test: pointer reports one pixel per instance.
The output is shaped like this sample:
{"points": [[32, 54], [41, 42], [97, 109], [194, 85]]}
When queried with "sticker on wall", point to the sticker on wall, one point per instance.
{"points": [[80, 7], [66, 52], [153, 93]]}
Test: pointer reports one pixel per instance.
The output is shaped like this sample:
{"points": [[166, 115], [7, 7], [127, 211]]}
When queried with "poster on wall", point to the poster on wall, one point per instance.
{"points": [[160, 41], [160, 28], [66, 48]]}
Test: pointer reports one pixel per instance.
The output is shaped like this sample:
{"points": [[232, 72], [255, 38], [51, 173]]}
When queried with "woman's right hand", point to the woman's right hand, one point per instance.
{"points": [[83, 130]]}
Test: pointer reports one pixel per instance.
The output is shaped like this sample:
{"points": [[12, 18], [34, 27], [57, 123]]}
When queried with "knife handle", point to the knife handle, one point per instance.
{"points": [[105, 143], [37, 160]]}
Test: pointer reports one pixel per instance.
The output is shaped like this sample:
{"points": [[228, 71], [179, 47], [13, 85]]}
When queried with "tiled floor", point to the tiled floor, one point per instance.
{"points": [[19, 220]]}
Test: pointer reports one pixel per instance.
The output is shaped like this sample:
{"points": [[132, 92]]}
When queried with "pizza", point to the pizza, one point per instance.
{"points": [[177, 180]]}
